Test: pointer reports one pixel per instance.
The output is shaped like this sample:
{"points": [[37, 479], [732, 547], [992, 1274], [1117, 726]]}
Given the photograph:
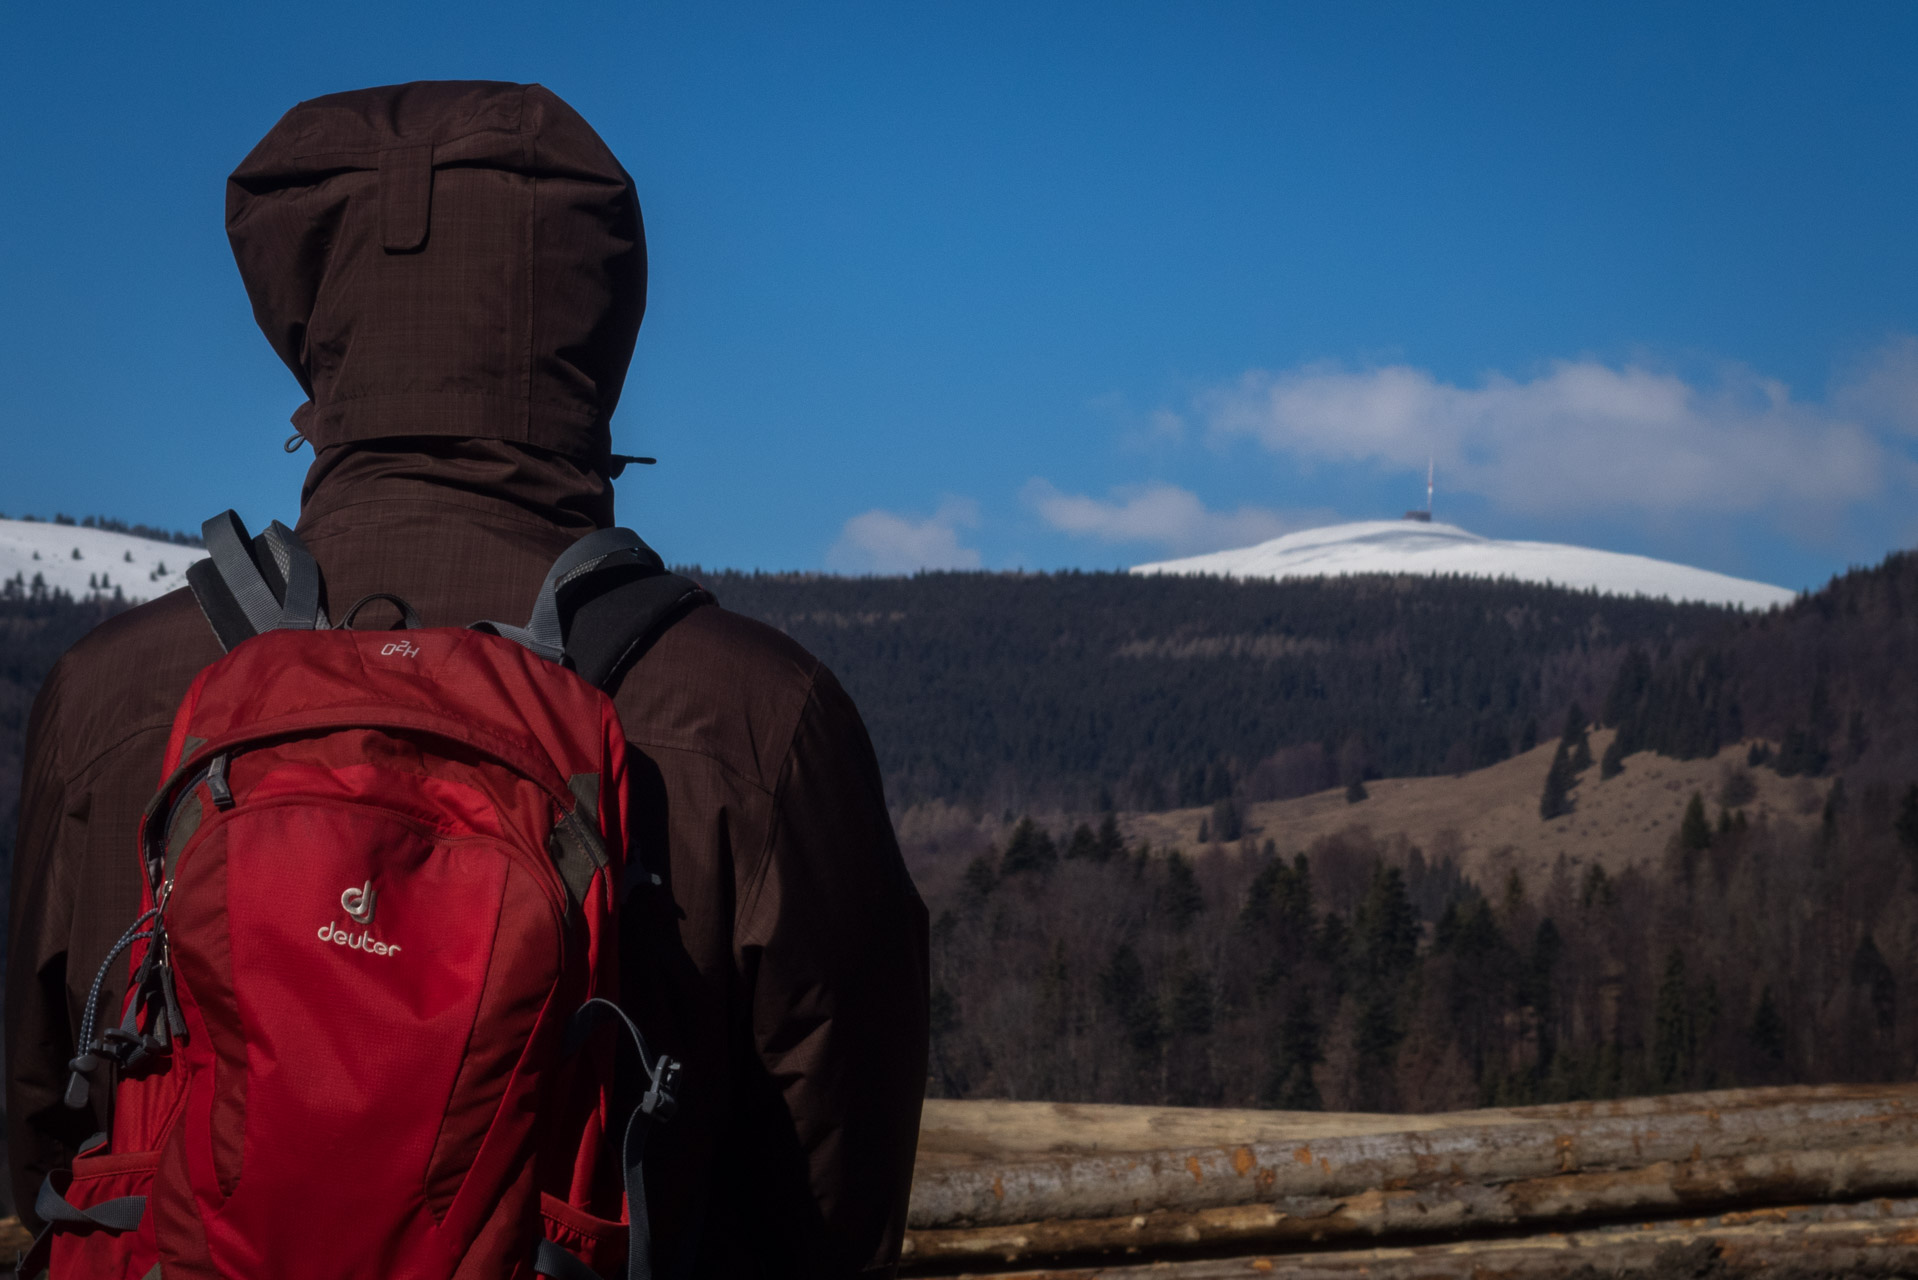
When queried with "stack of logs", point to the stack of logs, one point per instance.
{"points": [[1812, 1180]]}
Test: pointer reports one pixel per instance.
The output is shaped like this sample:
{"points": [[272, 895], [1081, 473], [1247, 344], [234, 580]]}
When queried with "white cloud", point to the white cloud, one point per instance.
{"points": [[1584, 437], [1883, 388], [879, 541], [1163, 515]]}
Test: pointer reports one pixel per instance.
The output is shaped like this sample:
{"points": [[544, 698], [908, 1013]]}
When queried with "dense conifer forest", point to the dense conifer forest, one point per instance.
{"points": [[1359, 975], [1069, 690]]}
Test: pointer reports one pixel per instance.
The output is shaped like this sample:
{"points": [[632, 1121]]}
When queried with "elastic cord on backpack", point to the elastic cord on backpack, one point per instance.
{"points": [[90, 1050]]}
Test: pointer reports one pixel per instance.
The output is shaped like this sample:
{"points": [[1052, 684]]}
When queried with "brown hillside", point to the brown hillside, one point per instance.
{"points": [[1488, 819]]}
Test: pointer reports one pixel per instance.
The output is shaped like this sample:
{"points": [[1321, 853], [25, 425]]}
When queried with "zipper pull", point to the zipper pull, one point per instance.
{"points": [[216, 784]]}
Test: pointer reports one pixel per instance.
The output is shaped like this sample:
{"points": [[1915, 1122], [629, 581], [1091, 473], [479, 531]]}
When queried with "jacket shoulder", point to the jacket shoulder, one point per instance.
{"points": [[126, 675], [719, 684]]}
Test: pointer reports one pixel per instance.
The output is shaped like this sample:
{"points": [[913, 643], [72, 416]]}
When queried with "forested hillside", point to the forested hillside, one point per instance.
{"points": [[1830, 679], [1362, 974], [1017, 691]]}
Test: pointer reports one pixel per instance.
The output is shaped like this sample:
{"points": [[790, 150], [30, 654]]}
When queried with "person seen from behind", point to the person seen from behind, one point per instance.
{"points": [[455, 272]]}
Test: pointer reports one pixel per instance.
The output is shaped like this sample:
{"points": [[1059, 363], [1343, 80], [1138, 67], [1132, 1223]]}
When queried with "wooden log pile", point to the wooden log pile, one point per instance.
{"points": [[1761, 1178]]}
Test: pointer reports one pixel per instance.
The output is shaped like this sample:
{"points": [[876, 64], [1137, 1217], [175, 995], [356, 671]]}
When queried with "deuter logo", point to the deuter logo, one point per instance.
{"points": [[401, 649], [361, 941], [358, 903]]}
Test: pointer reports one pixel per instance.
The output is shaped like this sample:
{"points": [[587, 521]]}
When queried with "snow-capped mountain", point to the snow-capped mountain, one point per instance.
{"points": [[85, 562], [1417, 546]]}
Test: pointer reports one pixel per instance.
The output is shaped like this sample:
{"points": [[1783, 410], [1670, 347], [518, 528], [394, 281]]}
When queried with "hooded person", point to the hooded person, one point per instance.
{"points": [[455, 273]]}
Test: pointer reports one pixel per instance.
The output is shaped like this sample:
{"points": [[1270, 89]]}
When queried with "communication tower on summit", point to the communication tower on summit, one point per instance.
{"points": [[1425, 516]]}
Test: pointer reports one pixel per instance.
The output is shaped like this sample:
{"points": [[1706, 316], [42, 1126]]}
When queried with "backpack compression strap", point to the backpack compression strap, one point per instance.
{"points": [[247, 586], [604, 600], [655, 1104]]}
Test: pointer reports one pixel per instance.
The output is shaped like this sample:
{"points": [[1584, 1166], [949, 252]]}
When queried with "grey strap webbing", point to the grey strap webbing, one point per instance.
{"points": [[234, 591], [117, 1215], [655, 1105], [302, 574], [226, 540], [121, 1214], [543, 632], [551, 1260]]}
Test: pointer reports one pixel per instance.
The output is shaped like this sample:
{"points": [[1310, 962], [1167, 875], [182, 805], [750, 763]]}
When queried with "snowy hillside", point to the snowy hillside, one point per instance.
{"points": [[84, 562], [1412, 546]]}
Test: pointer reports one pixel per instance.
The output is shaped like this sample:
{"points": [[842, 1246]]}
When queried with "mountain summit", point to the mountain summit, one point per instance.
{"points": [[1421, 547]]}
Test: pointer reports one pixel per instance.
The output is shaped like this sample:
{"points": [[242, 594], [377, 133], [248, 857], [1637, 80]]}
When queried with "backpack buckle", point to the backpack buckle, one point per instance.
{"points": [[660, 1103]]}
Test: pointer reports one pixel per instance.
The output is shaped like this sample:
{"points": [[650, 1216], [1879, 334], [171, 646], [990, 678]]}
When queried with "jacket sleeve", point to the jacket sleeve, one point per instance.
{"points": [[42, 1133], [832, 950]]}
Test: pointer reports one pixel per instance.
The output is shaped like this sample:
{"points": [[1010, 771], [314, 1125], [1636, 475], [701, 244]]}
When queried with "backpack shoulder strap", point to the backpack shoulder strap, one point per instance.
{"points": [[604, 601], [247, 585], [610, 630]]}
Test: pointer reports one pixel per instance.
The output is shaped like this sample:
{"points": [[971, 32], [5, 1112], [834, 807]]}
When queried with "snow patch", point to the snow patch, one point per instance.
{"points": [[1412, 546], [139, 568]]}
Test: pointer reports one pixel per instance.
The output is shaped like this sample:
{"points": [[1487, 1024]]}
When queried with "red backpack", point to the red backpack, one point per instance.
{"points": [[380, 925]]}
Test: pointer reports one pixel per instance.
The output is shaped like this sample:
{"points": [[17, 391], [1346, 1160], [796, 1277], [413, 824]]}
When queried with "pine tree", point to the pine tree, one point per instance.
{"points": [[981, 878], [1190, 1007], [1109, 844], [1355, 791], [1290, 1085], [1547, 946], [1694, 831], [1385, 934], [1227, 823], [1030, 849], [1556, 800], [1576, 740], [1259, 895], [1083, 844], [1613, 762], [1122, 985], [1673, 1038], [1800, 753], [1183, 900]]}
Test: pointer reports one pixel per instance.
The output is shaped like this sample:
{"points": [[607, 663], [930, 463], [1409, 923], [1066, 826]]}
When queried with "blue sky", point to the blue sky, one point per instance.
{"points": [[1069, 284]]}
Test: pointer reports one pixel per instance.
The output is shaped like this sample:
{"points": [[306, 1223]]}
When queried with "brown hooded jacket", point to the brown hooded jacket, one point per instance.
{"points": [[455, 272]]}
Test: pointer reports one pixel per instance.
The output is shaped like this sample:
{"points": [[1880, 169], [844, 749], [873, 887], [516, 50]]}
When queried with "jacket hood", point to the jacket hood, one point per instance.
{"points": [[453, 259]]}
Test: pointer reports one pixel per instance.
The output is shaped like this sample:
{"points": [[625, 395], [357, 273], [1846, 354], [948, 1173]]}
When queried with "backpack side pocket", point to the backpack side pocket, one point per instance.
{"points": [[112, 1188]]}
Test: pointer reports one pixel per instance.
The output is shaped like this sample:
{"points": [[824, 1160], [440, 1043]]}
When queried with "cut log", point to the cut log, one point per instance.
{"points": [[1656, 1191], [1873, 1239], [1086, 1163]]}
